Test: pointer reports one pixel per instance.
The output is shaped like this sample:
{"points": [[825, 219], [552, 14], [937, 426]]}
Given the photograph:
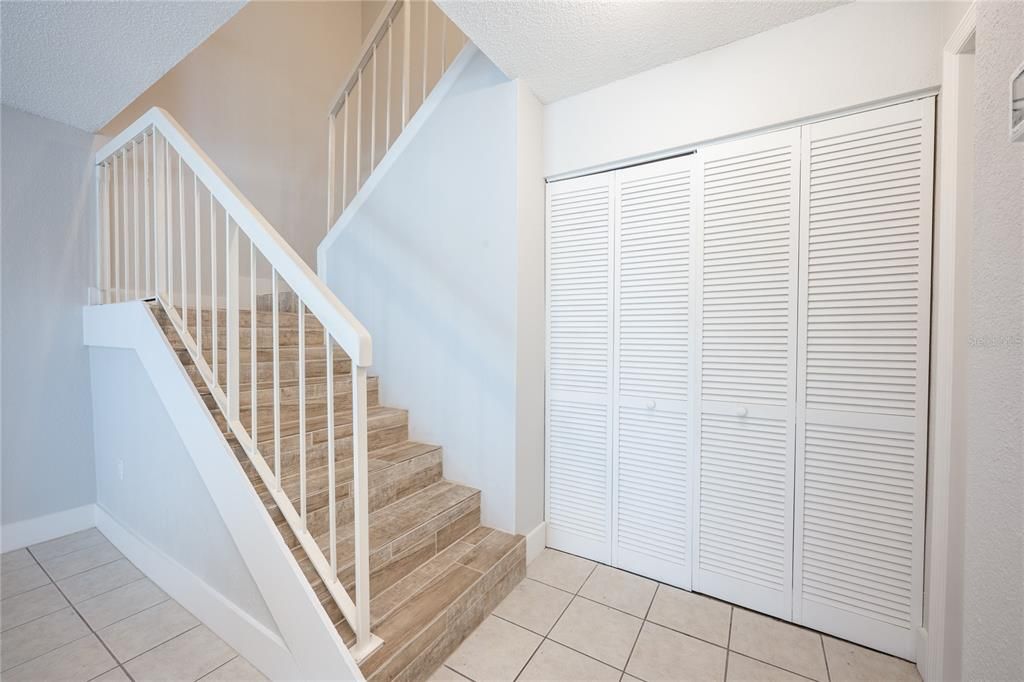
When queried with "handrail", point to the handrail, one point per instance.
{"points": [[142, 249]]}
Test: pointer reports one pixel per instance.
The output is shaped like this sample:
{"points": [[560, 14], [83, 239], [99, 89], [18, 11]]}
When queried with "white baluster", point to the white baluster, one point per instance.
{"points": [[198, 267], [359, 137], [302, 414], [159, 214], [145, 195], [426, 47], [277, 376], [331, 483], [135, 212], [373, 117], [214, 319], [169, 221], [181, 251], [344, 158], [360, 502], [406, 52], [231, 290], [330, 170], [117, 229], [253, 345], [387, 106]]}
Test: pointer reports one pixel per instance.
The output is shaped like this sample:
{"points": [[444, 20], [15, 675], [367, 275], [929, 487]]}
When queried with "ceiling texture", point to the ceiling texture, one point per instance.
{"points": [[81, 63], [564, 47]]}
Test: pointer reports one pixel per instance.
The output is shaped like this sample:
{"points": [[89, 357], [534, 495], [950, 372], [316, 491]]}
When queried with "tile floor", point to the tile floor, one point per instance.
{"points": [[75, 609], [572, 619]]}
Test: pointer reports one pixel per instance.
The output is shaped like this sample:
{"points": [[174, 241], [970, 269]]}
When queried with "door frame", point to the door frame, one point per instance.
{"points": [[938, 647]]}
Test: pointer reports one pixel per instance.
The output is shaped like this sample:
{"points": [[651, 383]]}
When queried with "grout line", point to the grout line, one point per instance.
{"points": [[728, 645], [28, 548], [157, 646], [91, 568], [205, 675], [80, 617], [828, 673]]}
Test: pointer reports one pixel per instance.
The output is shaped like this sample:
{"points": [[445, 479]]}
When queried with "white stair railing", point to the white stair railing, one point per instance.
{"points": [[407, 51], [168, 221]]}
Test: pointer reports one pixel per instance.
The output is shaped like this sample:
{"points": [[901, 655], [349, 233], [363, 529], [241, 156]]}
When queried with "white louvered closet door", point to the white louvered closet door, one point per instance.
{"points": [[579, 383], [748, 324], [863, 375], [651, 483]]}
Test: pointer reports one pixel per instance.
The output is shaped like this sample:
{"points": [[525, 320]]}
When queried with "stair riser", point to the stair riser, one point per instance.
{"points": [[318, 515], [393, 561], [287, 336], [265, 371], [386, 485], [315, 396], [316, 453], [437, 641]]}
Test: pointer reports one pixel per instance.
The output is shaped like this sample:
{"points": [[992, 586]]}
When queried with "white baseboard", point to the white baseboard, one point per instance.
{"points": [[42, 528], [250, 638], [536, 541]]}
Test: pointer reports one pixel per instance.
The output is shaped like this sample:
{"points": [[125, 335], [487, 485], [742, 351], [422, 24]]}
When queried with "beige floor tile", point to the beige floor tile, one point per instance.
{"points": [[693, 614], [561, 570], [81, 560], [497, 650], [534, 605], [39, 636], [21, 580], [236, 670], [115, 675], [187, 657], [556, 662], [101, 579], [82, 659], [446, 674], [30, 605], [127, 600], [598, 631], [620, 590], [67, 544], [780, 644], [136, 634], [851, 663], [19, 558], [743, 669], [629, 678], [663, 654]]}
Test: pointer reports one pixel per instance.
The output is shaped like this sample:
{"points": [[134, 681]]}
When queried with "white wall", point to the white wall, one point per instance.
{"points": [[432, 265], [851, 55], [161, 497], [47, 458], [993, 646]]}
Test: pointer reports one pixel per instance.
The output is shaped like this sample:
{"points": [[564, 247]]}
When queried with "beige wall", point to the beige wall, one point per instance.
{"points": [[255, 97]]}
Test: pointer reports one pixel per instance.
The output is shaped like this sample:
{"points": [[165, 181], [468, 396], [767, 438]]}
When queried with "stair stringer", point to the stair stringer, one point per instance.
{"points": [[311, 648]]}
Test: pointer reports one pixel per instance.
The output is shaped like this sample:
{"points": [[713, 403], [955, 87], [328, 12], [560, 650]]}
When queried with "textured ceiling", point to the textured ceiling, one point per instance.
{"points": [[81, 63], [564, 47]]}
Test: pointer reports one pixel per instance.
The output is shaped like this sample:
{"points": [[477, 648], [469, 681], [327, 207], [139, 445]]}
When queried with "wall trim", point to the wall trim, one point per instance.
{"points": [[952, 239], [42, 528], [536, 541], [250, 638], [406, 137]]}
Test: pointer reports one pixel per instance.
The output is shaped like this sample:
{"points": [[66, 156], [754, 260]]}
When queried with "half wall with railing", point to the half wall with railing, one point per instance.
{"points": [[407, 52], [173, 228]]}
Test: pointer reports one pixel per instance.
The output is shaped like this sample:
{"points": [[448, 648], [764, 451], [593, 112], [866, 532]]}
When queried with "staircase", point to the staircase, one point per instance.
{"points": [[435, 572]]}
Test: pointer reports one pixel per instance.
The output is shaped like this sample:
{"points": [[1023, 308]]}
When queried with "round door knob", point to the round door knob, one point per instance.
{"points": [[741, 412], [651, 404]]}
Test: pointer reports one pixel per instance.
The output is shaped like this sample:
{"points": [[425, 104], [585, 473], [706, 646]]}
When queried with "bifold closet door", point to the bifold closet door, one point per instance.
{"points": [[863, 374], [579, 372], [651, 483], [747, 402]]}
